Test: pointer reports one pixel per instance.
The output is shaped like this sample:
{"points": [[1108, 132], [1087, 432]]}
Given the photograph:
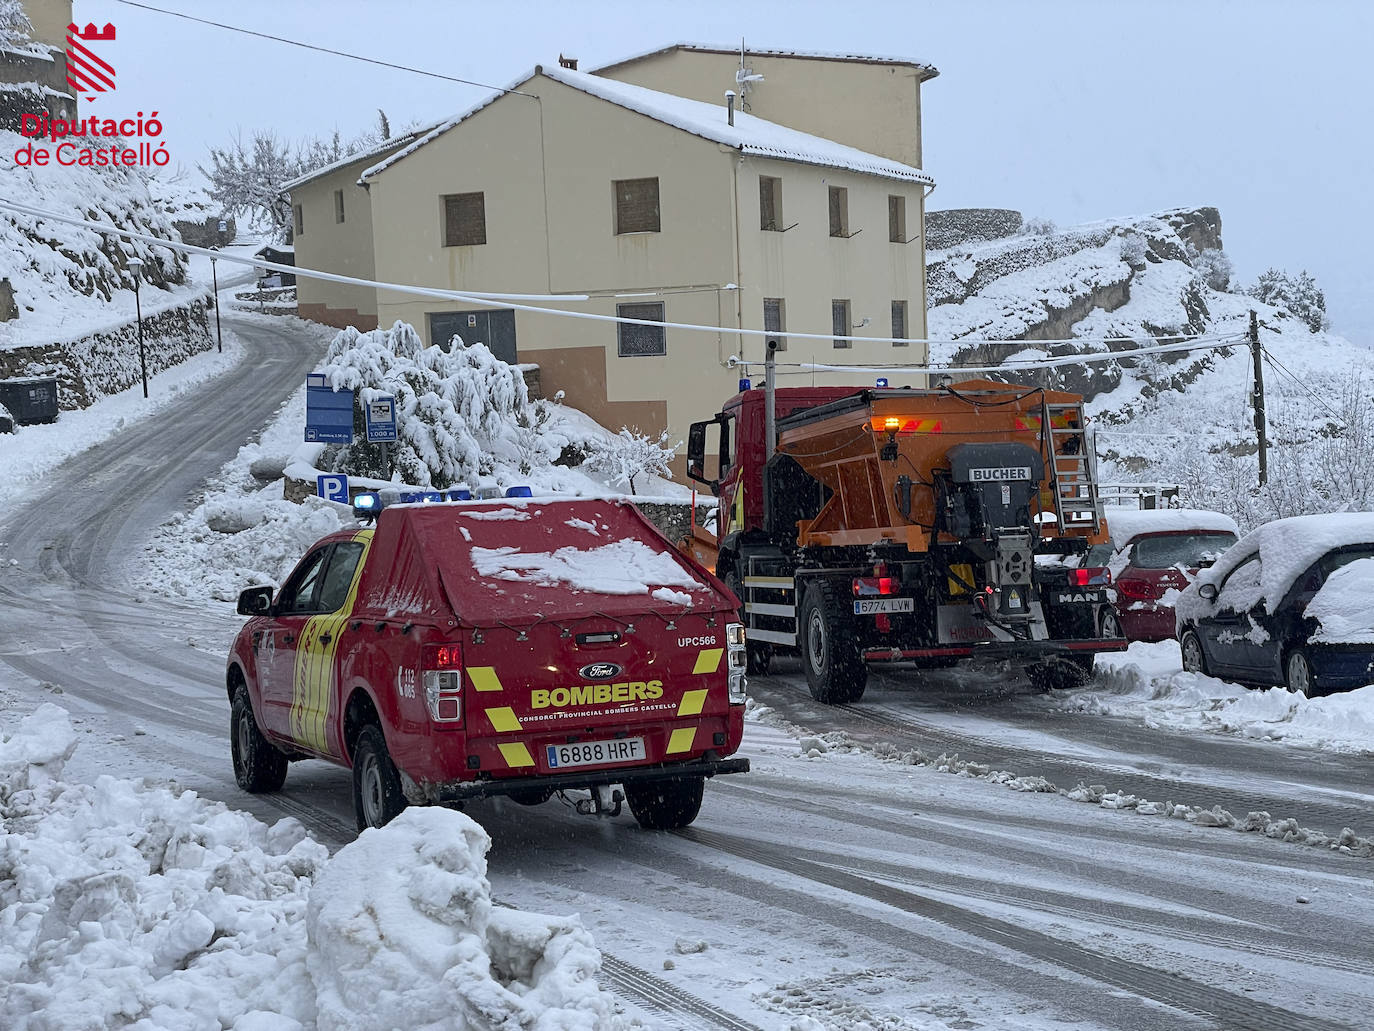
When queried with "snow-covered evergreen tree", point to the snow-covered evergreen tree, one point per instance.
{"points": [[15, 28], [629, 454], [1299, 294]]}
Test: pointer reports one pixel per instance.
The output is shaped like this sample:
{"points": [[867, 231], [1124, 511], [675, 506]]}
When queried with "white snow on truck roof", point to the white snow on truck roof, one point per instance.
{"points": [[1125, 524], [1342, 607]]}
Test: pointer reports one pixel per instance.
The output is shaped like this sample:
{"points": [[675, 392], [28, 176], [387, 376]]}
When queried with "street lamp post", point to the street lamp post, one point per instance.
{"points": [[214, 279], [136, 266]]}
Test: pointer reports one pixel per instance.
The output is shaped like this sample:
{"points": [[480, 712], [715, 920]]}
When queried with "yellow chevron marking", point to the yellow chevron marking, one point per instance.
{"points": [[708, 660], [516, 754], [682, 739], [314, 674], [484, 678], [691, 703], [503, 720]]}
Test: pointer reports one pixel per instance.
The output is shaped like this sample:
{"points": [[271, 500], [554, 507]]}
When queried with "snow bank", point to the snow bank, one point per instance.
{"points": [[1125, 524], [1147, 684], [127, 904], [1342, 608], [621, 567], [403, 934]]}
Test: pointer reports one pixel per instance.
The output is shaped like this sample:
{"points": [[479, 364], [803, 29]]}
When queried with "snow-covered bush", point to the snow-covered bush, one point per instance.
{"points": [[458, 413], [1039, 227], [1214, 268], [1299, 294], [1133, 250], [629, 454]]}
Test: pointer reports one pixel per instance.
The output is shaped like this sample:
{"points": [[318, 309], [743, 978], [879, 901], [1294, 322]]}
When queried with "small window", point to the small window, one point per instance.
{"points": [[338, 578], [338, 206], [299, 593], [898, 323], [775, 320], [640, 341], [636, 206], [770, 204], [465, 219], [839, 211], [298, 216], [896, 219], [839, 322]]}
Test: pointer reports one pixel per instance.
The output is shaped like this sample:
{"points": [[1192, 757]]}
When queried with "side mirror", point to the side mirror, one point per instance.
{"points": [[696, 452], [256, 601], [1207, 592]]}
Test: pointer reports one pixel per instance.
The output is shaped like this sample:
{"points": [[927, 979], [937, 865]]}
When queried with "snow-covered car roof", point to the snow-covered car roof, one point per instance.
{"points": [[1126, 524], [1286, 547]]}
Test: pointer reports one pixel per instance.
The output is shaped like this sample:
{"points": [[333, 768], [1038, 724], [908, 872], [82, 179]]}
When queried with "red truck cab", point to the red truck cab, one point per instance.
{"points": [[517, 647]]}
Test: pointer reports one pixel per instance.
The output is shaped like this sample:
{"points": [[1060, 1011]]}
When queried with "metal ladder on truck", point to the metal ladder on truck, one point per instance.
{"points": [[1073, 467]]}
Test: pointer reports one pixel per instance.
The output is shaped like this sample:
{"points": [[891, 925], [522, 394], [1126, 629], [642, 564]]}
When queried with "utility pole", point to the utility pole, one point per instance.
{"points": [[214, 278], [1261, 432], [136, 266]]}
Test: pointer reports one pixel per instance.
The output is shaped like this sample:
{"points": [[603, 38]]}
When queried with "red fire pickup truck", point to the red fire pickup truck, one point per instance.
{"points": [[517, 647]]}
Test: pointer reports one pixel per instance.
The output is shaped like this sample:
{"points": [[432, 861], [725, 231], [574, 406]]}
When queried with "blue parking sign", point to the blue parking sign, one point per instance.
{"points": [[332, 487]]}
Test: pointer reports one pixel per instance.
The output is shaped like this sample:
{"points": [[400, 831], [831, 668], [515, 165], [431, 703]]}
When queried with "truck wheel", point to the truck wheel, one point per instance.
{"points": [[1061, 674], [258, 765], [835, 670], [665, 805], [760, 655], [377, 797]]}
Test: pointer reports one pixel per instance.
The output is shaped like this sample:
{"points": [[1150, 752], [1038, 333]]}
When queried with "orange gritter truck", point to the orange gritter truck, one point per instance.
{"points": [[518, 648], [927, 525]]}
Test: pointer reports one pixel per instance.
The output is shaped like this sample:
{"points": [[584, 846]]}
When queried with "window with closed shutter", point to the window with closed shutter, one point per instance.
{"points": [[775, 320], [639, 341], [299, 219], [839, 321], [898, 322], [636, 206], [770, 203], [839, 211], [896, 219], [338, 206], [465, 219]]}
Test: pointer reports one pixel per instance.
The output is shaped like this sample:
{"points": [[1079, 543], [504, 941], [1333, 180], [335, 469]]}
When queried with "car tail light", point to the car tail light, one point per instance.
{"points": [[1138, 590], [736, 661], [441, 678], [1090, 576], [866, 586]]}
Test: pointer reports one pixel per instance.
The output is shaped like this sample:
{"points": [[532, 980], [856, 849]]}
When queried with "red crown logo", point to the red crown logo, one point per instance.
{"points": [[87, 73]]}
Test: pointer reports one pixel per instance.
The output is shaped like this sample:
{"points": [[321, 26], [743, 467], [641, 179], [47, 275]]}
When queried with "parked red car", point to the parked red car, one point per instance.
{"points": [[1154, 554]]}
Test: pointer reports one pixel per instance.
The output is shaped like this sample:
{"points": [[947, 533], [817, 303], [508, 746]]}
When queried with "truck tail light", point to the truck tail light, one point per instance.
{"points": [[441, 678], [736, 660], [866, 586], [1090, 576]]}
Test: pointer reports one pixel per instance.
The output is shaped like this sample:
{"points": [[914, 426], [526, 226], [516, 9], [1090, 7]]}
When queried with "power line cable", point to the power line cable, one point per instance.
{"points": [[514, 302], [322, 50], [1280, 367]]}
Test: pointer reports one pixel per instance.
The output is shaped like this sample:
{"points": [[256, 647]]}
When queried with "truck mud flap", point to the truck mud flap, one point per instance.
{"points": [[998, 650], [473, 789]]}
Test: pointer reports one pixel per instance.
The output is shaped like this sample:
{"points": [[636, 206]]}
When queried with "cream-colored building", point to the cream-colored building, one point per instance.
{"points": [[653, 206]]}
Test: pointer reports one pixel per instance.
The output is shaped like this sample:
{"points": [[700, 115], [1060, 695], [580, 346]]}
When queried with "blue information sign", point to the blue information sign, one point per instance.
{"points": [[381, 419], [328, 412], [332, 487]]}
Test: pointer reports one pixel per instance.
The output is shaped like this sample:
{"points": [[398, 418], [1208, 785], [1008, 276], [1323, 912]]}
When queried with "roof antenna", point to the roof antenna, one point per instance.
{"points": [[744, 77]]}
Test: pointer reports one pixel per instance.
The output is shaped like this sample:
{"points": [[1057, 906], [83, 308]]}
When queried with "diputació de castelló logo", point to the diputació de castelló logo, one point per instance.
{"points": [[124, 142]]}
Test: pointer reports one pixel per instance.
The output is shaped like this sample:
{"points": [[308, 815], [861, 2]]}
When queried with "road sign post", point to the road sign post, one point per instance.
{"points": [[380, 418]]}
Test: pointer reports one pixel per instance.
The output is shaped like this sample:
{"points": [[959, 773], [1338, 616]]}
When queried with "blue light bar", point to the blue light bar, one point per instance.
{"points": [[744, 385], [519, 492], [882, 381], [460, 494], [411, 497]]}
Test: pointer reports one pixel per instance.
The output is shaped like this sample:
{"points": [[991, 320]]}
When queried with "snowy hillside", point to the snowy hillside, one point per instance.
{"points": [[1179, 417]]}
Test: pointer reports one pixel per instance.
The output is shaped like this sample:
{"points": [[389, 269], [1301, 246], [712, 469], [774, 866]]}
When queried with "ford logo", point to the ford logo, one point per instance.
{"points": [[599, 671]]}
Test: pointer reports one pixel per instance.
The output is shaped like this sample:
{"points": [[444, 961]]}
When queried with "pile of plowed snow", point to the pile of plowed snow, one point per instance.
{"points": [[127, 904]]}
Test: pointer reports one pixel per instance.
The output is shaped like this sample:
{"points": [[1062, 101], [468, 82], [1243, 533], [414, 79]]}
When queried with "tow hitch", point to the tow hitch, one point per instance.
{"points": [[605, 800]]}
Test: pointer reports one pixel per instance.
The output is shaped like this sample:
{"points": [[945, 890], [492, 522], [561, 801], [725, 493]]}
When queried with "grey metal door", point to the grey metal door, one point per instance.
{"points": [[493, 327]]}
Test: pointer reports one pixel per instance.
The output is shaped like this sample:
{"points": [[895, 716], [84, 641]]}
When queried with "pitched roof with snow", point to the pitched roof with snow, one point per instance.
{"points": [[399, 140], [749, 135], [929, 70]]}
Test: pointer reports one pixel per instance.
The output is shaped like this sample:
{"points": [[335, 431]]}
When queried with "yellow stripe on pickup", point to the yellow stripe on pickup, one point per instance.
{"points": [[503, 720], [484, 678], [691, 703], [708, 660], [681, 740], [516, 754]]}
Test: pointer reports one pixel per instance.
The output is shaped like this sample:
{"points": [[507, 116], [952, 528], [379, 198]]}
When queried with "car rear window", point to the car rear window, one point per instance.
{"points": [[1189, 550]]}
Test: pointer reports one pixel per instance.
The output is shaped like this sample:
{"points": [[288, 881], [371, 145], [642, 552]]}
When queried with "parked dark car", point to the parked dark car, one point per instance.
{"points": [[1290, 604], [1153, 554]]}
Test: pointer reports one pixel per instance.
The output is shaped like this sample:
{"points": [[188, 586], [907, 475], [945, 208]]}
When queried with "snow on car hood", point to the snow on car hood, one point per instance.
{"points": [[1286, 547], [1342, 607]]}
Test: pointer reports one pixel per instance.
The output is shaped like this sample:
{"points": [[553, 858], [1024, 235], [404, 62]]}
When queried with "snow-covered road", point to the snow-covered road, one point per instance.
{"points": [[834, 887]]}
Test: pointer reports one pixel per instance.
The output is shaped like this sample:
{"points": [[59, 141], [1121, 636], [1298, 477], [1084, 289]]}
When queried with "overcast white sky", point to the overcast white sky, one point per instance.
{"points": [[1070, 110]]}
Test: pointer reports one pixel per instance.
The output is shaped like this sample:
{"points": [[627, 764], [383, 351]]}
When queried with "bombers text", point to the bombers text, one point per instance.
{"points": [[596, 694]]}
